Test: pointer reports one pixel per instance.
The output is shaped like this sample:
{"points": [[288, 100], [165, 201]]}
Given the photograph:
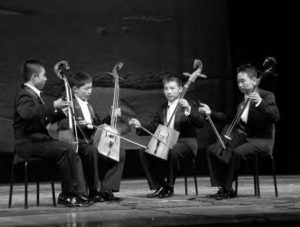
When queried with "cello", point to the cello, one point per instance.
{"points": [[232, 134], [107, 137], [70, 135], [165, 137]]}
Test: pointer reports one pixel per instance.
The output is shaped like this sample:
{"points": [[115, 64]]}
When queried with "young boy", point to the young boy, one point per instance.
{"points": [[31, 116], [109, 172], [255, 134], [185, 120]]}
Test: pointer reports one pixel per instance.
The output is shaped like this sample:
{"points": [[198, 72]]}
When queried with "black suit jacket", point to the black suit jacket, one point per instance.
{"points": [[260, 126], [31, 116], [83, 131]]}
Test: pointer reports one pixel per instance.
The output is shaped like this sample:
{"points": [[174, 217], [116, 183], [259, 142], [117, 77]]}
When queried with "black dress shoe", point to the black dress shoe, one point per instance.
{"points": [[219, 192], [108, 195], [155, 194], [70, 200], [166, 192], [232, 193], [226, 194], [96, 197], [83, 198]]}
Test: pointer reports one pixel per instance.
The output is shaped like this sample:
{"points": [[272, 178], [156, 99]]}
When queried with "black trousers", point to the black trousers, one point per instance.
{"points": [[89, 158], [97, 167], [222, 174], [111, 172], [162, 173], [61, 153]]}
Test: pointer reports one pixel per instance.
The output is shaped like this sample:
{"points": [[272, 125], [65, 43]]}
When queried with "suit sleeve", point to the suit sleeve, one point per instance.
{"points": [[218, 116], [195, 117], [30, 109], [267, 109], [152, 126]]}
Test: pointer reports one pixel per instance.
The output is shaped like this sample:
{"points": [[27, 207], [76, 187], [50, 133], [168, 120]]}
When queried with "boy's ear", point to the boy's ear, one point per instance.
{"points": [[33, 76]]}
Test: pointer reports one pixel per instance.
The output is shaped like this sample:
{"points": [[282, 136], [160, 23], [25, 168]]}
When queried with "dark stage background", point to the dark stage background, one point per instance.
{"points": [[153, 38]]}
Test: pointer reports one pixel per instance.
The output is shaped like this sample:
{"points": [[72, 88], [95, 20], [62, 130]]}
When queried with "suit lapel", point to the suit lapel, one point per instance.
{"points": [[178, 115], [77, 109], [164, 113]]}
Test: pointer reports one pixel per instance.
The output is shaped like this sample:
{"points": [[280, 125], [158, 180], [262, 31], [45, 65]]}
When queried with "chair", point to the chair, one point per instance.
{"points": [[256, 175], [194, 173], [19, 160]]}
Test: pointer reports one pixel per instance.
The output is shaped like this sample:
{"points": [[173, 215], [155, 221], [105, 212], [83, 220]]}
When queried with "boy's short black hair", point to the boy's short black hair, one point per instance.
{"points": [[248, 68], [172, 79], [30, 67], [80, 78]]}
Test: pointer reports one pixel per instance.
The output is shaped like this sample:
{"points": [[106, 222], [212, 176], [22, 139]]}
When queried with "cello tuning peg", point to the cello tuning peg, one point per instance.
{"points": [[202, 75], [186, 74], [121, 78], [110, 73]]}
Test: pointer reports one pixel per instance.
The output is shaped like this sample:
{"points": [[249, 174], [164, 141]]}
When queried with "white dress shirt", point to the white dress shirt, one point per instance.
{"points": [[170, 109], [245, 114]]}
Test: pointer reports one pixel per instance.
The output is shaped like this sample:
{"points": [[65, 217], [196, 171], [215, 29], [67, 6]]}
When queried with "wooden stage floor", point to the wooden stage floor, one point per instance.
{"points": [[179, 210]]}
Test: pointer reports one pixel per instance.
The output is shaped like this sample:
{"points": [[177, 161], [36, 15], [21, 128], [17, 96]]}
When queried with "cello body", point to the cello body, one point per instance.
{"points": [[166, 135], [106, 143], [237, 137], [68, 136]]}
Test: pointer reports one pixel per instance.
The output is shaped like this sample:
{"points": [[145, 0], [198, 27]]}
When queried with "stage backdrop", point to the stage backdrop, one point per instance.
{"points": [[152, 38]]}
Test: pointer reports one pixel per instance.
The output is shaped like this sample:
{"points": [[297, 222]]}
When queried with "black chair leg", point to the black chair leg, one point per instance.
{"points": [[26, 185], [257, 177], [195, 177], [12, 177], [53, 193], [236, 185], [185, 184], [37, 193], [274, 176], [255, 183]]}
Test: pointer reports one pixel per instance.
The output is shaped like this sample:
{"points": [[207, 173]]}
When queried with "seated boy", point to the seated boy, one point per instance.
{"points": [[108, 172]]}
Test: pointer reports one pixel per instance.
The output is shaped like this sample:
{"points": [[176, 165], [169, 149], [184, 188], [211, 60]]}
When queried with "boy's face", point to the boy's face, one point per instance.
{"points": [[39, 79], [245, 83], [172, 91], [84, 91]]}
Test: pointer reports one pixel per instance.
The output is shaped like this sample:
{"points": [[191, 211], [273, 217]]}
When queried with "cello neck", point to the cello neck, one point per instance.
{"points": [[192, 78], [114, 73]]}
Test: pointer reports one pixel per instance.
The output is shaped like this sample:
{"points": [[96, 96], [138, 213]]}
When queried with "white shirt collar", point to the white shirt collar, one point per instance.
{"points": [[81, 101], [174, 103], [37, 91]]}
